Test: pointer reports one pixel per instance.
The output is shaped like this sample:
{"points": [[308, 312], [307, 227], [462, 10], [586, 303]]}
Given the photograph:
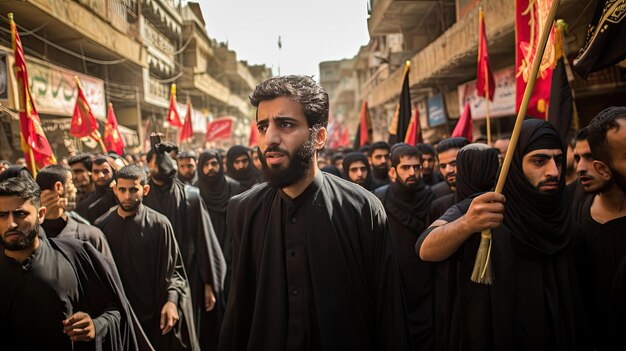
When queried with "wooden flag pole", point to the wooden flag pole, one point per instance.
{"points": [[32, 161], [482, 272]]}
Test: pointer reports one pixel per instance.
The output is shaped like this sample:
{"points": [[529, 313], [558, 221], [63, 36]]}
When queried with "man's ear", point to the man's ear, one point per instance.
{"points": [[42, 214], [603, 170], [146, 189], [320, 138], [58, 187]]}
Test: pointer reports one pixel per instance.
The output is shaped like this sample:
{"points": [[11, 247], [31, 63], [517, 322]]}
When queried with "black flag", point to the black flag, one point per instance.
{"points": [[561, 107], [605, 44], [402, 118]]}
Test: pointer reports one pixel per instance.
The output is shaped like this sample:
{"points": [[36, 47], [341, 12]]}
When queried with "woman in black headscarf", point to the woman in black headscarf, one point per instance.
{"points": [[248, 176], [370, 183]]}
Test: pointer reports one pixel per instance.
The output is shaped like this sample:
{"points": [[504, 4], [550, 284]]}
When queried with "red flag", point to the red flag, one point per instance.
{"points": [[112, 138], [365, 125], [529, 18], [219, 129], [464, 127], [187, 131], [172, 114], [84, 123], [485, 84], [344, 138], [34, 142], [414, 132], [254, 135]]}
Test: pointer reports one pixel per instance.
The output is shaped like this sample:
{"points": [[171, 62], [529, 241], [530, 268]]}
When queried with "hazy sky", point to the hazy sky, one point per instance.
{"points": [[311, 30]]}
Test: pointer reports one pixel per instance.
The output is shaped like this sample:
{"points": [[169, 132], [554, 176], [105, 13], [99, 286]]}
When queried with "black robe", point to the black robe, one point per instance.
{"points": [[96, 204], [83, 232], [152, 273], [354, 279], [62, 277], [199, 247], [441, 189], [601, 251], [407, 212]]}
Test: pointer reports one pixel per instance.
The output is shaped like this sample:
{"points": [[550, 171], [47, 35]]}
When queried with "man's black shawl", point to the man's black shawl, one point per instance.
{"points": [[197, 240], [354, 275], [100, 288]]}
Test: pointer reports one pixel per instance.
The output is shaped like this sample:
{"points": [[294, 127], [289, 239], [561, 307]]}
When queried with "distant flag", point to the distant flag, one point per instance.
{"points": [[219, 129], [37, 150], [172, 114], [402, 118], [84, 123], [485, 83], [112, 138], [414, 132], [561, 108], [187, 131], [464, 127], [254, 135], [364, 131], [605, 44], [280, 43], [527, 14]]}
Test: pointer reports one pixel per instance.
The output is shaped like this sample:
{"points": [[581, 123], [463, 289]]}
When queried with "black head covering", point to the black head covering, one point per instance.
{"points": [[15, 171], [215, 191], [332, 170], [352, 157], [538, 221], [247, 177], [477, 167]]}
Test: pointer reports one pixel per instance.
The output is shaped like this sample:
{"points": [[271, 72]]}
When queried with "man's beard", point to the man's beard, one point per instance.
{"points": [[409, 186], [451, 183], [26, 238], [299, 164], [132, 208], [187, 177], [381, 171]]}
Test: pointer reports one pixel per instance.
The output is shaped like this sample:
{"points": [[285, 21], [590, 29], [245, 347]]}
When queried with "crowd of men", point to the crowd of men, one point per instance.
{"points": [[289, 246]]}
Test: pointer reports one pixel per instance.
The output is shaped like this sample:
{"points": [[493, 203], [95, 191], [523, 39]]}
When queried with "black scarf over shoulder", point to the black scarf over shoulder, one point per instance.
{"points": [[538, 221]]}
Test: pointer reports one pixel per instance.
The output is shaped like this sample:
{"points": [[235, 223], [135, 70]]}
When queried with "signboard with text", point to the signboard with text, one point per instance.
{"points": [[436, 111], [503, 103]]}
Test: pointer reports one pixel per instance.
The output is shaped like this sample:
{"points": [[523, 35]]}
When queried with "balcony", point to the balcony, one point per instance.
{"points": [[164, 15]]}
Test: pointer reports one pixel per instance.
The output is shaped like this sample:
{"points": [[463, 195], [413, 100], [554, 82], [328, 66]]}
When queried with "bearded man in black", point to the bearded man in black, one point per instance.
{"points": [[407, 201]]}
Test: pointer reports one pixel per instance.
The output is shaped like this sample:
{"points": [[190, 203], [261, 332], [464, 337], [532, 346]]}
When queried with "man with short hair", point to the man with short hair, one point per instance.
{"points": [[378, 158], [534, 302], [407, 201], [357, 169], [193, 229], [313, 259], [57, 294], [58, 192], [430, 175], [81, 175], [102, 199], [149, 263], [603, 222], [447, 150], [502, 144], [187, 163]]}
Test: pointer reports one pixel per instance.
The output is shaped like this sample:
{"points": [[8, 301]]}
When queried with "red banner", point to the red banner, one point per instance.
{"points": [[219, 129], [84, 123], [529, 19], [34, 141], [112, 138], [254, 135], [172, 113], [485, 83], [187, 131], [464, 127]]}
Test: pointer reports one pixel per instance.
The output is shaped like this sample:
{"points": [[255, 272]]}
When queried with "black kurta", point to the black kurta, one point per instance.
{"points": [[151, 269], [602, 250], [351, 298], [200, 249], [60, 278], [96, 204], [61, 228], [407, 212]]}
